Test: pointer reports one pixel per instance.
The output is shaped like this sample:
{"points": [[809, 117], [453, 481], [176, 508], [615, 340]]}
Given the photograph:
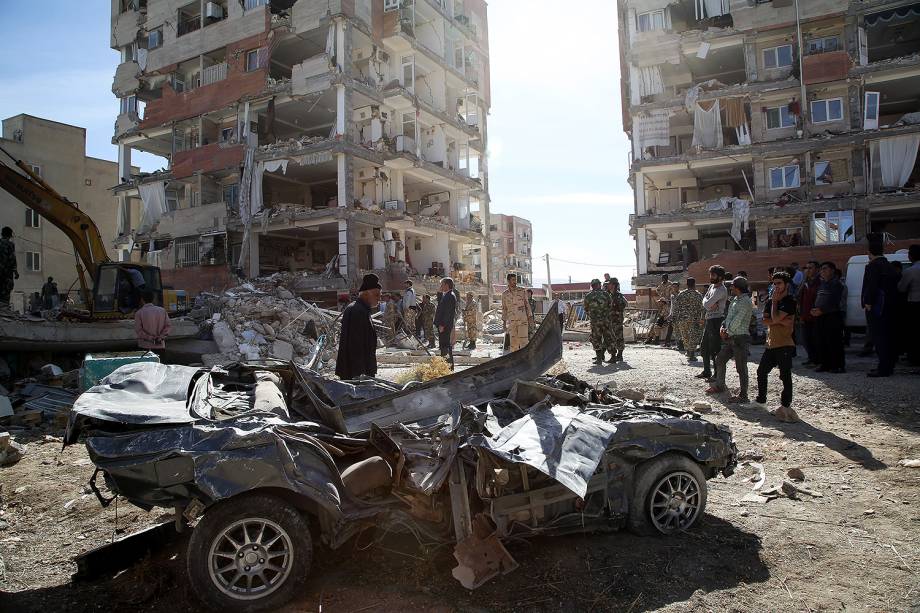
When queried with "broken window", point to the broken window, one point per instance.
{"points": [[784, 177], [777, 57], [155, 38], [231, 195], [823, 111], [652, 20], [779, 117], [33, 219], [129, 53], [187, 252], [828, 172], [252, 60], [787, 237], [823, 44], [832, 227], [33, 261], [212, 249]]}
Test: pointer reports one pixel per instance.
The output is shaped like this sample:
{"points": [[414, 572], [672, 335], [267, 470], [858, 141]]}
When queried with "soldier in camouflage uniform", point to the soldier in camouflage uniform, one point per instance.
{"points": [[426, 320], [617, 312], [598, 307], [688, 316], [8, 270], [390, 318], [470, 314]]}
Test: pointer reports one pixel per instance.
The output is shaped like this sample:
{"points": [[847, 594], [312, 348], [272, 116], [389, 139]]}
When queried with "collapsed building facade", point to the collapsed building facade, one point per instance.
{"points": [[329, 137], [759, 125]]}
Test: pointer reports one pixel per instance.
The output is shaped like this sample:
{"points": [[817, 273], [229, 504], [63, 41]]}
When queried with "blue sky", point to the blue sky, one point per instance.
{"points": [[558, 155]]}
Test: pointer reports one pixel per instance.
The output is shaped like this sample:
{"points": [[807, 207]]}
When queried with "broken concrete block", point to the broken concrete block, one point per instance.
{"points": [[630, 394], [701, 406], [249, 352], [5, 440], [282, 350], [12, 453], [909, 463], [284, 294], [224, 337]]}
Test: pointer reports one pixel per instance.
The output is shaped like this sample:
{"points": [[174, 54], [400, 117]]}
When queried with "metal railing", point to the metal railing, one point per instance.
{"points": [[213, 74]]}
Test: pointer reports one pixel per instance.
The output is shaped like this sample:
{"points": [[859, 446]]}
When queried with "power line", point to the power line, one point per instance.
{"points": [[555, 259]]}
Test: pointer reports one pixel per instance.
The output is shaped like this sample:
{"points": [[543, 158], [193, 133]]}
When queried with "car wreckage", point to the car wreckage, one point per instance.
{"points": [[264, 458]]}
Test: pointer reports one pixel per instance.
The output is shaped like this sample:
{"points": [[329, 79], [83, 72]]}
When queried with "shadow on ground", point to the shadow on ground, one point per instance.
{"points": [[599, 571]]}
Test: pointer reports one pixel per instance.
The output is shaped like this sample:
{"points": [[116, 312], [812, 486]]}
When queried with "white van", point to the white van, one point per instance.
{"points": [[856, 268]]}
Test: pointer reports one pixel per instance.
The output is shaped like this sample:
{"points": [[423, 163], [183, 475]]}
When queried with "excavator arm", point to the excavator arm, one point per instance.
{"points": [[32, 191]]}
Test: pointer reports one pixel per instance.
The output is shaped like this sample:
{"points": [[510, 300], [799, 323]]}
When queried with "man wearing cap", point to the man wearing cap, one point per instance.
{"points": [[688, 307], [617, 313], [358, 341], [517, 318], [736, 337], [598, 307]]}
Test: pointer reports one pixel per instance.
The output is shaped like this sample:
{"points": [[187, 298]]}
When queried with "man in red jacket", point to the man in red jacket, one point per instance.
{"points": [[807, 294]]}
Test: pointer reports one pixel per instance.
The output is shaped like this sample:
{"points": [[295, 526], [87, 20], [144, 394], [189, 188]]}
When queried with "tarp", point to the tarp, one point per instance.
{"points": [[559, 441], [153, 196]]}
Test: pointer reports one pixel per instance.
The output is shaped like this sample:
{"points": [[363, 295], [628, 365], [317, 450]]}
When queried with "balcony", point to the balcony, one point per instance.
{"points": [[213, 74]]}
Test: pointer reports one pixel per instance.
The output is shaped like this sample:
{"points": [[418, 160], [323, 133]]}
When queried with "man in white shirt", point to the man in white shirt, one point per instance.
{"points": [[714, 303]]}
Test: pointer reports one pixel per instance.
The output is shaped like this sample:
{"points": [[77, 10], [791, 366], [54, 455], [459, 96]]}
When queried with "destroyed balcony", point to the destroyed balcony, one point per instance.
{"points": [[893, 33]]}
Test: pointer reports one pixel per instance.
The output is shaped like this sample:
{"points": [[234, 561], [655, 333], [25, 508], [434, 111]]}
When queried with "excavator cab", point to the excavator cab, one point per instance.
{"points": [[118, 285]]}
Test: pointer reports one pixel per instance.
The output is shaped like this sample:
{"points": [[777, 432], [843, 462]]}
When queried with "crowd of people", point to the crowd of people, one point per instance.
{"points": [[800, 307]]}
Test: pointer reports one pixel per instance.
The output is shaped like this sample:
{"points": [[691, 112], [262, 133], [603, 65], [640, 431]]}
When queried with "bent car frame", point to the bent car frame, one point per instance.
{"points": [[265, 457]]}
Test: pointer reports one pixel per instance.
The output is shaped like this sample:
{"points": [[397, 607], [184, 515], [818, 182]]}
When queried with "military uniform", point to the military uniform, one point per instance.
{"points": [[688, 311], [617, 312], [470, 313], [599, 308], [517, 316], [7, 270], [426, 320], [410, 316], [389, 320]]}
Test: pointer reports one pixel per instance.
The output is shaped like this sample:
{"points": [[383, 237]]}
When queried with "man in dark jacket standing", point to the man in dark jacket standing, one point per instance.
{"points": [[358, 341], [807, 293], [878, 300], [445, 317], [828, 319]]}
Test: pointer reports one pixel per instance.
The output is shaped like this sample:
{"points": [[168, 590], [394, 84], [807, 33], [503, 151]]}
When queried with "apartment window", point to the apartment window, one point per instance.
{"points": [[129, 53], [251, 4], [33, 219], [36, 169], [777, 57], [33, 261], [155, 38], [870, 119], [832, 227], [787, 237], [187, 252], [128, 105], [823, 111], [172, 199], [784, 177], [779, 117], [408, 125], [408, 73], [390, 5], [652, 20], [226, 135], [232, 195], [195, 198], [823, 45], [252, 60]]}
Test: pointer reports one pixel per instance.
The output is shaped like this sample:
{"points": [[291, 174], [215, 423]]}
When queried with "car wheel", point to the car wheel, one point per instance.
{"points": [[669, 495], [250, 553]]}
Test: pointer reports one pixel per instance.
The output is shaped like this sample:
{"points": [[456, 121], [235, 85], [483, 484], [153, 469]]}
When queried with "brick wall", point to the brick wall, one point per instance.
{"points": [[197, 279], [206, 159], [824, 67]]}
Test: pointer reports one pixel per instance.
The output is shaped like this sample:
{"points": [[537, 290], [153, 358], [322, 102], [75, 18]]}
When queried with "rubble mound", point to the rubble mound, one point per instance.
{"points": [[264, 319]]}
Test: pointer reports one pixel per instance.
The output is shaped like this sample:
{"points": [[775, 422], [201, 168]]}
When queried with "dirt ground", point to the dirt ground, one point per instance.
{"points": [[854, 548]]}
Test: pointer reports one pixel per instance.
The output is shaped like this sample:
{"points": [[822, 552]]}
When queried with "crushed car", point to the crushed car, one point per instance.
{"points": [[262, 458]]}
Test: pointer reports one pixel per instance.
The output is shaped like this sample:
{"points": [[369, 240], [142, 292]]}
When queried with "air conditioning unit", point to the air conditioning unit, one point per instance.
{"points": [[439, 198], [212, 10]]}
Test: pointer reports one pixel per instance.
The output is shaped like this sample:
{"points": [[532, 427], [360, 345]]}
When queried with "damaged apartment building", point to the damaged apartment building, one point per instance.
{"points": [[333, 137], [759, 125]]}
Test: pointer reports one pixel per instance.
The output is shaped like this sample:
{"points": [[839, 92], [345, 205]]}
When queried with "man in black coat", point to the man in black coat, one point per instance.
{"points": [[445, 317], [879, 295], [358, 341]]}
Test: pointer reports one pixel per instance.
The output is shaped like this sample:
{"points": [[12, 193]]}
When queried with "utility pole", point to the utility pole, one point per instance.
{"points": [[549, 280]]}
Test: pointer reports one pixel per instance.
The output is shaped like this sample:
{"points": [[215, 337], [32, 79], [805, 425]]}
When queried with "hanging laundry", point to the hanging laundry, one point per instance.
{"points": [[734, 112], [651, 129], [650, 81], [741, 210], [707, 126], [795, 108]]}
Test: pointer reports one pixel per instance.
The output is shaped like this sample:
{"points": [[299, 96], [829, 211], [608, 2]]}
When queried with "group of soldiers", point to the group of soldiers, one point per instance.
{"points": [[605, 307], [416, 318]]}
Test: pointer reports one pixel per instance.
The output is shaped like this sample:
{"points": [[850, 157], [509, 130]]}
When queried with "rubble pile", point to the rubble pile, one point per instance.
{"points": [[44, 399], [263, 319]]}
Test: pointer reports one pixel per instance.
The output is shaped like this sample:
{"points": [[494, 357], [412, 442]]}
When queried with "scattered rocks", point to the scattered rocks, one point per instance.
{"points": [[631, 394], [701, 406], [909, 463], [796, 474], [10, 451]]}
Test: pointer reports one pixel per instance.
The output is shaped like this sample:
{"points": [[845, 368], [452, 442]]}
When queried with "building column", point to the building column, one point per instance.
{"points": [[641, 251], [253, 254], [640, 193], [124, 163]]}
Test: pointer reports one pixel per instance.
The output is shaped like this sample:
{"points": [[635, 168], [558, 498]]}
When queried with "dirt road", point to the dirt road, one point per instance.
{"points": [[856, 547]]}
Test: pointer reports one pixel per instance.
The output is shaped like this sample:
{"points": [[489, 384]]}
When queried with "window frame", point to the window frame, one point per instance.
{"points": [[33, 219], [826, 102], [33, 261], [779, 109], [183, 245], [252, 53], [158, 31], [651, 20], [799, 230], [838, 216], [775, 53], [798, 177], [871, 123], [822, 40]]}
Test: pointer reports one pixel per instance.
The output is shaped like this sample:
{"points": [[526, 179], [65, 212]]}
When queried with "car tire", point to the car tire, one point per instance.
{"points": [[250, 553], [669, 495]]}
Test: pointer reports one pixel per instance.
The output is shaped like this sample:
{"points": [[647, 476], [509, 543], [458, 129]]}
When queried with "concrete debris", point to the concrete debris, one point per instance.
{"points": [[752, 497], [760, 477], [909, 463], [52, 370], [750, 454], [10, 451], [701, 406], [264, 319], [796, 474], [630, 394]]}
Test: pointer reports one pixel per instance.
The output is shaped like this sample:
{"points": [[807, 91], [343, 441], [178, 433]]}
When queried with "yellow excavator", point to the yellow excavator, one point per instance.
{"points": [[115, 285]]}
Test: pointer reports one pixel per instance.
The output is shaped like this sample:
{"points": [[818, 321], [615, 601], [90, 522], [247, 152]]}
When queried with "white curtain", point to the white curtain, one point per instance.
{"points": [[153, 195], [707, 127], [896, 158], [741, 210], [650, 130], [650, 81]]}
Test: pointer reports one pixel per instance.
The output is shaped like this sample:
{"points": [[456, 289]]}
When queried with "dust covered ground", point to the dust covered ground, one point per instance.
{"points": [[855, 548]]}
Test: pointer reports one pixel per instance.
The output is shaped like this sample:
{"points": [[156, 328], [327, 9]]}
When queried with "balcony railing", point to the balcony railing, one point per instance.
{"points": [[189, 25], [213, 74]]}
